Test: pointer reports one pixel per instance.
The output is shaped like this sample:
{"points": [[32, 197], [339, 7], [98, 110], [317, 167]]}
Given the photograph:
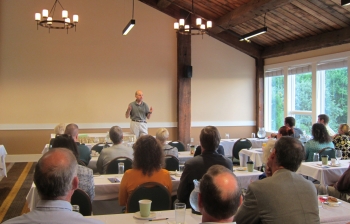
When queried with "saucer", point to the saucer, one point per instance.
{"points": [[172, 172], [152, 215]]}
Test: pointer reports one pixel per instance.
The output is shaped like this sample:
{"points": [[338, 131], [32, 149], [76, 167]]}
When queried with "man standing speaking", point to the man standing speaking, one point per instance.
{"points": [[138, 111]]}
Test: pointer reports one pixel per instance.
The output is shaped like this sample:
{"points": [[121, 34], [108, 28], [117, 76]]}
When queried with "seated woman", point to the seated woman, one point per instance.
{"points": [[148, 160], [85, 174], [341, 189], [59, 130], [342, 140], [270, 144], [321, 140], [162, 136]]}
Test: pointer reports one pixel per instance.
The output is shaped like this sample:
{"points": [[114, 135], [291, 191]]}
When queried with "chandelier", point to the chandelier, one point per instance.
{"points": [[50, 23], [185, 29]]}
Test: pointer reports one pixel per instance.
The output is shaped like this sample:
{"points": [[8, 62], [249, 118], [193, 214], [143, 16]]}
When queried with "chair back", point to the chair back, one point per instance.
{"points": [[98, 147], [330, 153], [179, 145], [242, 143], [82, 199], [219, 150], [112, 166], [171, 163], [157, 193], [81, 162]]}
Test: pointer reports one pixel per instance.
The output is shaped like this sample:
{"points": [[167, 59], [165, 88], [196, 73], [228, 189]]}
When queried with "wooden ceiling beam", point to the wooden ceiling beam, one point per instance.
{"points": [[329, 39], [245, 13], [162, 4]]}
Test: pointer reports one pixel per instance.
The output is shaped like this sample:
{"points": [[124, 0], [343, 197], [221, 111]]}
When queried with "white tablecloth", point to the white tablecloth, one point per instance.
{"points": [[327, 176], [105, 190], [328, 215], [3, 154], [128, 218], [255, 155], [228, 144], [183, 157]]}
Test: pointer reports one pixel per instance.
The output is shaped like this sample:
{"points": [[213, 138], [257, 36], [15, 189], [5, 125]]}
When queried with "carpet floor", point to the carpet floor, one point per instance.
{"points": [[14, 189]]}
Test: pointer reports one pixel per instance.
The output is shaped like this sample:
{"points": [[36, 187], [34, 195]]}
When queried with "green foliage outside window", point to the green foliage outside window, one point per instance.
{"points": [[336, 98]]}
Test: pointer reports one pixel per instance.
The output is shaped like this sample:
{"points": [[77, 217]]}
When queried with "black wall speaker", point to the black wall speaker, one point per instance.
{"points": [[188, 71]]}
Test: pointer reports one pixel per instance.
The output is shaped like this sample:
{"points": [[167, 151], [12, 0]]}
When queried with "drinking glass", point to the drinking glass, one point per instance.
{"points": [[316, 157], [338, 155], [180, 213], [322, 192], [120, 168], [227, 135]]}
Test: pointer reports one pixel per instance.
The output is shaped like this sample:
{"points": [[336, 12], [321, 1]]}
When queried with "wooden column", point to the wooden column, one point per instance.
{"points": [[183, 88], [259, 64]]}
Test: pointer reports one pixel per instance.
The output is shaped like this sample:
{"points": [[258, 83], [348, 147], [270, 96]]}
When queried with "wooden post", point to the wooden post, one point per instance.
{"points": [[259, 64], [183, 88]]}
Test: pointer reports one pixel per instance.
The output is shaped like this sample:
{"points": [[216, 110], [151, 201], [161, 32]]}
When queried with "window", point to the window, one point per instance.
{"points": [[275, 96], [300, 79], [311, 87], [334, 91]]}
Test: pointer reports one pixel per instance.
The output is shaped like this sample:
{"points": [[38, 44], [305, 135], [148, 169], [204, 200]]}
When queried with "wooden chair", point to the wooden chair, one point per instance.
{"points": [[242, 143], [171, 163], [82, 199], [112, 166], [157, 193], [179, 145]]}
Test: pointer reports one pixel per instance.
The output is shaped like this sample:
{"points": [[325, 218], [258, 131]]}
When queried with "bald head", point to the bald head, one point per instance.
{"points": [[72, 130], [139, 96], [54, 174], [220, 194]]}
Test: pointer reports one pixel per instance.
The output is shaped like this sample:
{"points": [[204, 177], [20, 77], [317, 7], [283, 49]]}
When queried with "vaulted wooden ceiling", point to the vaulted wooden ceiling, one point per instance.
{"points": [[293, 25]]}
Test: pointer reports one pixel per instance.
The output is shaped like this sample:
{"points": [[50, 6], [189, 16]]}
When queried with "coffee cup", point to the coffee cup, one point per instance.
{"points": [[324, 160], [145, 207], [250, 166]]}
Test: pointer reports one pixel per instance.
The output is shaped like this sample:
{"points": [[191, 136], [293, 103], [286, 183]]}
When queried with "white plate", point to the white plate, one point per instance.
{"points": [[241, 169], [335, 165], [151, 216], [334, 204]]}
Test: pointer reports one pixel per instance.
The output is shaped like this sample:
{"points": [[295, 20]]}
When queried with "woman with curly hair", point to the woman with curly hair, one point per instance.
{"points": [[341, 141], [321, 139], [147, 167]]}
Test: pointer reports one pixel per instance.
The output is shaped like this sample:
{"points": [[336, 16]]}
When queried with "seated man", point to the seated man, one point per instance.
{"points": [[197, 166], [290, 123], [56, 179], [84, 151], [116, 150], [341, 188], [285, 197], [324, 119], [219, 196]]}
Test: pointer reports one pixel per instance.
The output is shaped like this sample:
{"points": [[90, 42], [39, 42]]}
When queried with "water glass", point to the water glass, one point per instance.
{"points": [[338, 155], [227, 135], [322, 192], [120, 168], [75, 208], [316, 157], [180, 213], [181, 167], [253, 135]]}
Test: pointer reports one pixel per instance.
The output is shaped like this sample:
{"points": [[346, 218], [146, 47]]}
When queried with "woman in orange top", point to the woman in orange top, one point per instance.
{"points": [[147, 167]]}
